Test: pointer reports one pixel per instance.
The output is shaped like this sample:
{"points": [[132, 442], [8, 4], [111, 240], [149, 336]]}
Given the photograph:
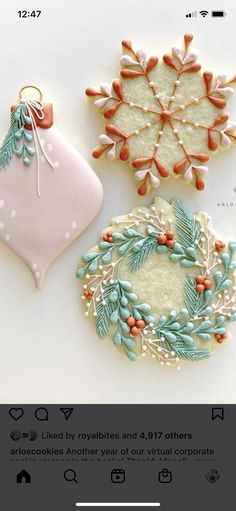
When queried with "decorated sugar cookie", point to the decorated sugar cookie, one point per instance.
{"points": [[45, 186], [161, 282], [164, 117]]}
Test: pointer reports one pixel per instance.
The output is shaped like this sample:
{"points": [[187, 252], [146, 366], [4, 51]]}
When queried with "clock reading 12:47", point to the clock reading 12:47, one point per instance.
{"points": [[29, 14]]}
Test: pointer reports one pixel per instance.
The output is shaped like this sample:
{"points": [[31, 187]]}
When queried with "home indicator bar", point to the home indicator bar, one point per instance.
{"points": [[118, 504]]}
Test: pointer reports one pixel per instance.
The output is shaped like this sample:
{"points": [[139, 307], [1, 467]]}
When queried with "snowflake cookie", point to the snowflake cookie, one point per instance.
{"points": [[161, 282], [164, 117]]}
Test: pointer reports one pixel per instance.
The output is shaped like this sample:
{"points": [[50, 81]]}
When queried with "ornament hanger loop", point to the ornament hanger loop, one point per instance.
{"points": [[33, 93]]}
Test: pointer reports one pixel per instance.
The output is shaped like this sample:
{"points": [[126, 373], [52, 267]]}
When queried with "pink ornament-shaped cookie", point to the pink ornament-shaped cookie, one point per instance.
{"points": [[48, 192]]}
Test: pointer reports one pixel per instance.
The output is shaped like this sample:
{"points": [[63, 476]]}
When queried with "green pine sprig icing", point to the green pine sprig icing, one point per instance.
{"points": [[187, 226], [18, 139], [179, 335]]}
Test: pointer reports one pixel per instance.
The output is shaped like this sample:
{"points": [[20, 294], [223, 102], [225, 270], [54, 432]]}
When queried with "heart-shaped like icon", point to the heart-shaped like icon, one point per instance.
{"points": [[16, 413], [38, 228]]}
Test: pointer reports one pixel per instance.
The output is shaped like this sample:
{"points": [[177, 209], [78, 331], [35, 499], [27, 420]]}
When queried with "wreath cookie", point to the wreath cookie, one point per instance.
{"points": [[161, 283], [164, 117]]}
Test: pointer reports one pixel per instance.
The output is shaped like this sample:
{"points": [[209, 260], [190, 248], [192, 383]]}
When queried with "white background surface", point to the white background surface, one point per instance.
{"points": [[49, 351]]}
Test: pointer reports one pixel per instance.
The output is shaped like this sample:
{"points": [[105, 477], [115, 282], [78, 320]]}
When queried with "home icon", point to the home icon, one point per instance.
{"points": [[23, 477]]}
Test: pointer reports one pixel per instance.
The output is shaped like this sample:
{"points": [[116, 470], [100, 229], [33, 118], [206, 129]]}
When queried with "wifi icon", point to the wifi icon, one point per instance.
{"points": [[204, 13]]}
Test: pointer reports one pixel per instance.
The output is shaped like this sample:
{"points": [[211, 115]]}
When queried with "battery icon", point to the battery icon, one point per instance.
{"points": [[218, 14]]}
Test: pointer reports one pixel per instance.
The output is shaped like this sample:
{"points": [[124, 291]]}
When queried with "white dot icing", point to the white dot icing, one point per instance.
{"points": [[67, 235]]}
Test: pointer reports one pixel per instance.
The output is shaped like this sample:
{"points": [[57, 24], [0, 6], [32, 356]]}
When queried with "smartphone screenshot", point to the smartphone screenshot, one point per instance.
{"points": [[117, 255]]}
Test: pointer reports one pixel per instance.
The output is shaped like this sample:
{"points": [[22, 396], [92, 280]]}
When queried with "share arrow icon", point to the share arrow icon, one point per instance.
{"points": [[67, 412]]}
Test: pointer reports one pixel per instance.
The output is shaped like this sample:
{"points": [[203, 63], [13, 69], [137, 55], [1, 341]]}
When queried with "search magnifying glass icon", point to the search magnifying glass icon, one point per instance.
{"points": [[70, 475]]}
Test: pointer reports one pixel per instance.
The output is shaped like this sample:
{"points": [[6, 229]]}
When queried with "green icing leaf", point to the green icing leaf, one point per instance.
{"points": [[207, 311], [117, 338], [187, 339], [113, 296], [125, 285], [104, 244], [107, 257], [227, 284], [93, 266], [80, 272], [143, 307], [118, 236], [114, 316], [220, 320], [128, 342], [89, 256], [132, 356], [124, 248], [191, 252], [204, 325], [217, 277], [204, 336], [124, 327], [132, 297], [225, 258], [124, 313], [232, 246], [169, 336], [178, 249], [161, 249], [162, 321], [123, 301], [137, 246], [187, 263], [151, 230], [131, 233], [189, 327], [175, 258]]}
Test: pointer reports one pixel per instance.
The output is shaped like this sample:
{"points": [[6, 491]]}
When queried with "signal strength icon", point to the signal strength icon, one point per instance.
{"points": [[204, 13], [191, 14]]}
